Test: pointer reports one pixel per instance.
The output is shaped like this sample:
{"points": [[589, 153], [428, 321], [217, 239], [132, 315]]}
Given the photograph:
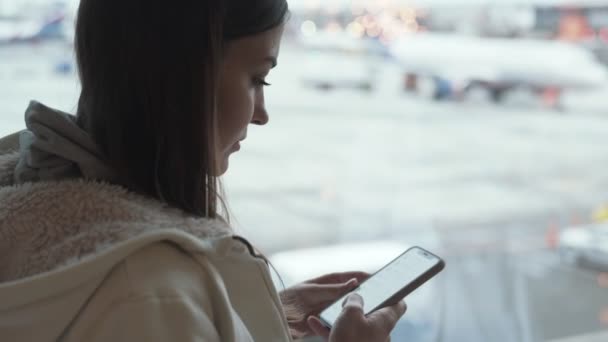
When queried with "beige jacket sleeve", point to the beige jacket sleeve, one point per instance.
{"points": [[160, 293], [164, 318]]}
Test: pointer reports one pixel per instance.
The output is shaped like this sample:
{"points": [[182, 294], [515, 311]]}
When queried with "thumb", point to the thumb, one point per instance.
{"points": [[353, 301]]}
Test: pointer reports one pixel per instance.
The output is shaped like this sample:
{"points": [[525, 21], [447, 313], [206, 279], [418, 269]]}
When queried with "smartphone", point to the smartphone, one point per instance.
{"points": [[391, 283]]}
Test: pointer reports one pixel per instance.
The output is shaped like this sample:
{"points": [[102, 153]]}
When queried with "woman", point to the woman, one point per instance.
{"points": [[110, 220]]}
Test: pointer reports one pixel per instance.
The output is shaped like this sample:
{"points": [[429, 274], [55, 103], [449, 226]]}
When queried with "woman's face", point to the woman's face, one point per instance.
{"points": [[247, 62]]}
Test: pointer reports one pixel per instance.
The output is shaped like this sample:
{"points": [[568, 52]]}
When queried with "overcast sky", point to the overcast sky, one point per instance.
{"points": [[8, 6], [303, 3]]}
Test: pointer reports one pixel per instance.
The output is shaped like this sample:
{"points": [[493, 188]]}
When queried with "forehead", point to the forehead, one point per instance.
{"points": [[256, 47]]}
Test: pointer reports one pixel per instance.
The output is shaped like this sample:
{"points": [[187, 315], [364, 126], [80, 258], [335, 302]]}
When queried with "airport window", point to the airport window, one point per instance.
{"points": [[475, 129]]}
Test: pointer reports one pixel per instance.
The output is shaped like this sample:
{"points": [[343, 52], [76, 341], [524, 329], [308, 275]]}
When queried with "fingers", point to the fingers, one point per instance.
{"points": [[353, 307], [317, 327], [401, 308], [343, 277], [354, 300], [360, 276], [330, 293], [349, 283]]}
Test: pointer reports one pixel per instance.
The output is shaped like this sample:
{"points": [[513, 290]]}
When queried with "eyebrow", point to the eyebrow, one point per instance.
{"points": [[272, 60]]}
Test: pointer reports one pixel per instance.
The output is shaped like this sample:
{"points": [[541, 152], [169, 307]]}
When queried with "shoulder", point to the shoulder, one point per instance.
{"points": [[83, 219]]}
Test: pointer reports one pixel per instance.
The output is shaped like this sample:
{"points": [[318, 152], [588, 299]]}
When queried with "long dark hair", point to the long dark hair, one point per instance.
{"points": [[149, 73]]}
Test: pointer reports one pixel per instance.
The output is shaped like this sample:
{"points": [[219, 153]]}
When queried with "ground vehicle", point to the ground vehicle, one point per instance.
{"points": [[585, 245], [339, 60]]}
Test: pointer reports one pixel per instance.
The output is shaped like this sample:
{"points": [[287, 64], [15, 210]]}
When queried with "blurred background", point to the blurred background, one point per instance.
{"points": [[477, 129]]}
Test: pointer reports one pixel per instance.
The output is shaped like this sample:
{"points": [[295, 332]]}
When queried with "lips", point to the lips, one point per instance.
{"points": [[237, 145]]}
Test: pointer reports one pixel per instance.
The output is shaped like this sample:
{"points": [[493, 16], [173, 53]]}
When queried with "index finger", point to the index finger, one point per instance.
{"points": [[341, 277], [328, 293]]}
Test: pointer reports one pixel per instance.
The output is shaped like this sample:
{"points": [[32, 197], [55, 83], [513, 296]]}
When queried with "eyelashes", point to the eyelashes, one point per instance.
{"points": [[260, 82]]}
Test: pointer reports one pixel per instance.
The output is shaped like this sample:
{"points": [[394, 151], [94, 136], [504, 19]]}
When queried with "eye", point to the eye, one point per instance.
{"points": [[260, 82]]}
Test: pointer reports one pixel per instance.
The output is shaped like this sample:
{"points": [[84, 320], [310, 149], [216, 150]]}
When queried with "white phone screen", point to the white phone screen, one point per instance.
{"points": [[388, 281]]}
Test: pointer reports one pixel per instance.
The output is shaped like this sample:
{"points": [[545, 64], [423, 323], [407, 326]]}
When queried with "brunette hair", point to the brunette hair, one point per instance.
{"points": [[149, 75]]}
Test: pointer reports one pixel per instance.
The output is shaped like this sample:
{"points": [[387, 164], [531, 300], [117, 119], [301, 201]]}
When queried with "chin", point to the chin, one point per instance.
{"points": [[222, 164], [222, 167]]}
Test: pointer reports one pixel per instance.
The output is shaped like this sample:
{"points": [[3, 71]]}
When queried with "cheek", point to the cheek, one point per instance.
{"points": [[235, 110], [259, 102]]}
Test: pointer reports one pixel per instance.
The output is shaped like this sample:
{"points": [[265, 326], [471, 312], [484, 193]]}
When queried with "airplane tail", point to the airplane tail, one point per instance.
{"points": [[51, 29]]}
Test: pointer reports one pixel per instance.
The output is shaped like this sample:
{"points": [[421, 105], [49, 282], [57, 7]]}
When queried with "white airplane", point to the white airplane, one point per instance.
{"points": [[499, 65], [17, 30]]}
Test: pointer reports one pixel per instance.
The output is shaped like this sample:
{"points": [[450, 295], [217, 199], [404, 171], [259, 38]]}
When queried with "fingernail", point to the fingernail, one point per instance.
{"points": [[352, 282]]}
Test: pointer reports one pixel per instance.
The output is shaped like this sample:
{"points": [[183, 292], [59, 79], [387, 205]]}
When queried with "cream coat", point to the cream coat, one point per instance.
{"points": [[87, 261]]}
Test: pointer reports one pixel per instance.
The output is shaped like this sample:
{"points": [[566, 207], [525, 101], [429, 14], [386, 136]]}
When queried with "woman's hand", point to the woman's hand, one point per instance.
{"points": [[313, 296], [353, 326]]}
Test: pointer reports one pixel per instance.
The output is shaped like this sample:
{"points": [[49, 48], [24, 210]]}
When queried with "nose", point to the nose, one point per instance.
{"points": [[260, 116]]}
